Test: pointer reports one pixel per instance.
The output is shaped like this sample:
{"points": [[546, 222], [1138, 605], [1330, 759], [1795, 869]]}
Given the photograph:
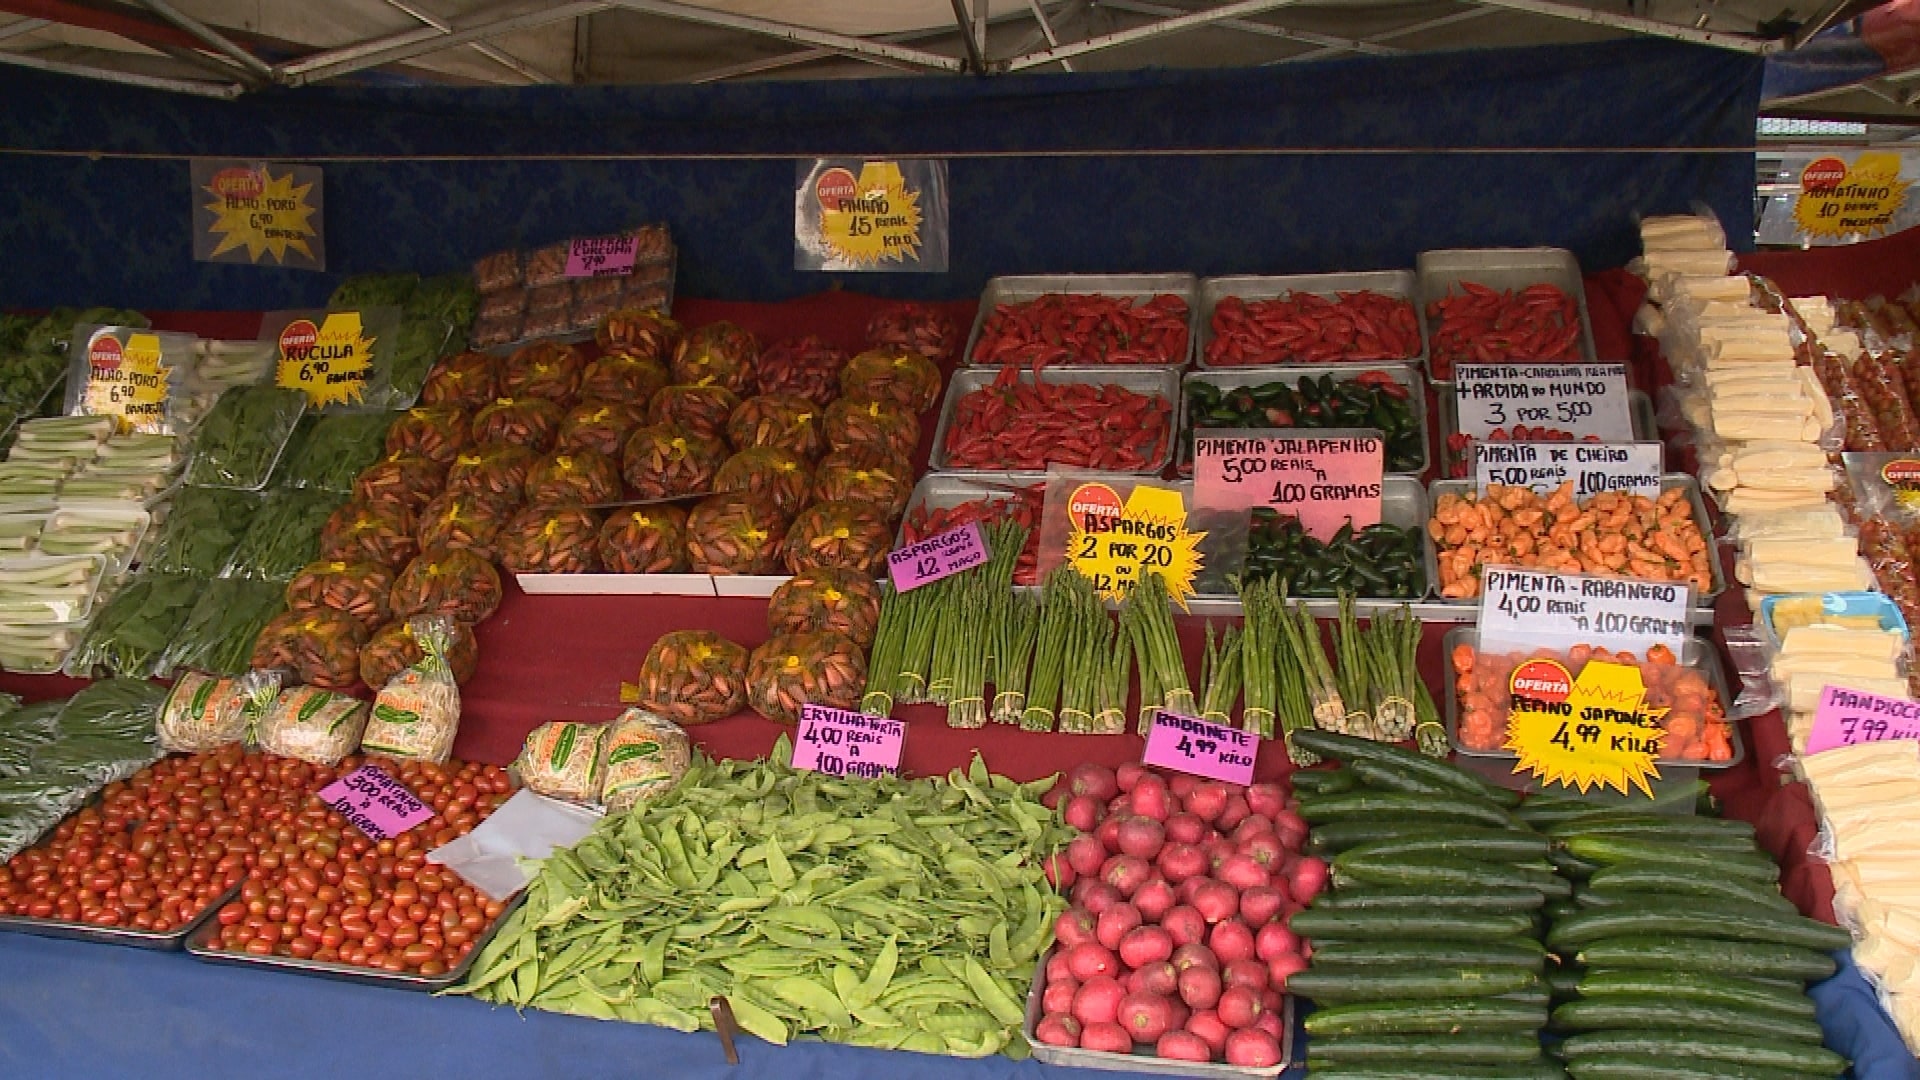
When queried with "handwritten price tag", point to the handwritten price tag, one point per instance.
{"points": [[1594, 468], [1528, 609], [375, 803], [840, 742], [1324, 478], [1582, 400], [1190, 745], [1850, 717], [601, 256], [939, 556]]}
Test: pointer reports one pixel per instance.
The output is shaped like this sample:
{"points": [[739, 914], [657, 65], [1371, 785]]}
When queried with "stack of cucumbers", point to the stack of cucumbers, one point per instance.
{"points": [[1470, 936]]}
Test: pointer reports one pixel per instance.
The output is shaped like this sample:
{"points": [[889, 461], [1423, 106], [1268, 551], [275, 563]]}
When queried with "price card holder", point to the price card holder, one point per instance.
{"points": [[1199, 748], [1324, 478], [840, 742], [601, 256], [936, 557], [375, 803], [1115, 529], [1592, 468], [1531, 609], [1850, 717], [1578, 400]]}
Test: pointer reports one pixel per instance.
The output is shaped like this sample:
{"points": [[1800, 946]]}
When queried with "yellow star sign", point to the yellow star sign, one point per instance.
{"points": [[1596, 731], [265, 214], [1114, 544], [1838, 199], [879, 219]]}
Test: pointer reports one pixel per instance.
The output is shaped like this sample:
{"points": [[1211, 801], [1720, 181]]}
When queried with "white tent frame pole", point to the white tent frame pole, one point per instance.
{"points": [[411, 43], [1046, 28], [805, 35], [223, 91], [214, 39], [1287, 33], [1143, 33], [964, 21], [1651, 27], [1398, 32], [23, 28], [498, 55]]}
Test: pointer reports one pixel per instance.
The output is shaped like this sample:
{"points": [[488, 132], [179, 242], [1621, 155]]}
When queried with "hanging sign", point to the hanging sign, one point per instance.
{"points": [[1531, 609], [330, 355], [1850, 717], [1114, 539], [1327, 479], [939, 556], [256, 212], [1198, 747], [1594, 731], [1840, 199], [375, 803], [840, 742], [1592, 468], [1544, 401], [851, 214]]}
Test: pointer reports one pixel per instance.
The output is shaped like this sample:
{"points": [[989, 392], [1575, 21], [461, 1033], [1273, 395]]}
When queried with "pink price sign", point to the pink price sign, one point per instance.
{"points": [[1324, 478], [1201, 748], [601, 256], [375, 803], [938, 556], [840, 742], [1849, 717]]}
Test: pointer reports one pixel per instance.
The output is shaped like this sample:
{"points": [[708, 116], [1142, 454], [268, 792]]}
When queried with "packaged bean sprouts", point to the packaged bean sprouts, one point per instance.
{"points": [[417, 713]]}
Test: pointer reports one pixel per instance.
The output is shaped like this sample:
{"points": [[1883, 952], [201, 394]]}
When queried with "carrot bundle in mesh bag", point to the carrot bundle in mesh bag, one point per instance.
{"points": [[881, 425], [602, 426], [691, 677], [624, 377], [358, 533], [313, 725], [458, 584], [417, 713], [463, 521], [644, 540], [584, 476], [719, 354], [546, 369], [817, 668], [735, 534], [845, 602], [904, 378], [357, 590], [886, 482], [407, 481], [661, 461], [561, 538], [768, 472], [466, 379], [914, 328], [849, 535], [395, 647], [704, 409], [318, 647], [639, 331], [778, 420], [495, 470], [807, 367], [531, 422], [439, 432]]}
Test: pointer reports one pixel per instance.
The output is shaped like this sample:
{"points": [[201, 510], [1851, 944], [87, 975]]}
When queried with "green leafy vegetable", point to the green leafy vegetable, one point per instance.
{"points": [[218, 636], [364, 291], [241, 439], [285, 533], [333, 449], [129, 634], [202, 528]]}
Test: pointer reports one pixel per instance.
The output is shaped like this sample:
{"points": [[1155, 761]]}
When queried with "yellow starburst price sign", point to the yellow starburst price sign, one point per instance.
{"points": [[1837, 199], [1113, 543], [852, 214], [1594, 731], [258, 212], [127, 379], [328, 360]]}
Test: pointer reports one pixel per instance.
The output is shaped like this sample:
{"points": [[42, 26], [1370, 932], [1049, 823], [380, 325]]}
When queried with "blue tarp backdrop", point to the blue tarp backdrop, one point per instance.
{"points": [[115, 230]]}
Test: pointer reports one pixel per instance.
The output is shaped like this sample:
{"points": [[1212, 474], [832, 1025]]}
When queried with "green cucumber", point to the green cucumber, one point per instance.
{"points": [[1681, 832], [1435, 984], [1610, 851], [1725, 922], [1464, 1049], [1465, 809], [1673, 1014], [1448, 874], [1642, 878], [1424, 901], [1560, 909], [1587, 897], [1425, 1018], [1564, 983], [1350, 748], [1549, 803], [1657, 1067], [1754, 995], [1369, 926], [1667, 953], [1734, 1049], [1535, 996], [1383, 778], [1323, 781], [1576, 868], [1460, 842], [1333, 837], [1539, 1070], [1515, 952]]}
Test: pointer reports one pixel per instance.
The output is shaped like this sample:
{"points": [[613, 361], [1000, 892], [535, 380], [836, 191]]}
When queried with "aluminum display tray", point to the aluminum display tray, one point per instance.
{"points": [[1160, 382], [1292, 374], [1018, 290], [1639, 410], [1399, 283], [1498, 765], [1140, 1062], [118, 935], [1501, 268], [200, 944]]}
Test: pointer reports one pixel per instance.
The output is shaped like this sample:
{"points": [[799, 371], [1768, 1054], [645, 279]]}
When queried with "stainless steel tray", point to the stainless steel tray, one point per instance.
{"points": [[1639, 408], [1502, 268], [1668, 481], [1400, 283], [172, 940], [1074, 1057], [1403, 502], [1015, 290], [200, 944], [1404, 374], [1498, 765], [1161, 382], [941, 491]]}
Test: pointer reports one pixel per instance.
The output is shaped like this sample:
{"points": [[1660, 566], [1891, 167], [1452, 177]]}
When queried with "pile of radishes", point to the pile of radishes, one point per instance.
{"points": [[1177, 939]]}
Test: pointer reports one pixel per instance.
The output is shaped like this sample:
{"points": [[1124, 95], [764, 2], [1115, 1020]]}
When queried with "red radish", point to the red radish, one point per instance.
{"points": [[1230, 941], [1129, 774], [1266, 849], [1181, 862], [1182, 1046], [1145, 945], [1215, 901], [1200, 987], [1270, 1001], [1242, 872], [1267, 800], [1249, 973], [1146, 1016], [1252, 1048], [1060, 872], [1126, 873], [1059, 996], [1054, 796], [1096, 781], [1142, 837], [1057, 969], [1291, 827], [1058, 1029], [1239, 1007], [1306, 878], [1182, 785], [1075, 925], [1158, 977], [1098, 1000], [1090, 958], [1235, 812], [1086, 854], [1219, 849], [1108, 1038], [1207, 800], [1100, 896], [1115, 924], [1261, 905], [1206, 1024], [1284, 966], [1084, 812], [1109, 831], [1195, 955], [1155, 899], [1186, 829], [1269, 1022], [1274, 939], [1187, 925], [1150, 797], [1254, 825]]}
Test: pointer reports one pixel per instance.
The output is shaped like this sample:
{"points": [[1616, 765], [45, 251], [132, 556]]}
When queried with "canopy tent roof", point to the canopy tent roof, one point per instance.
{"points": [[229, 47]]}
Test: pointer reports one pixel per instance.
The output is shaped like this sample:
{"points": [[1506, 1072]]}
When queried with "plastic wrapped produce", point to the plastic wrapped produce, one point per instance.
{"points": [[529, 422], [468, 379], [805, 367], [904, 378], [496, 471], [417, 344], [661, 461], [602, 426], [240, 441], [407, 481], [493, 330], [545, 370], [717, 354], [500, 270], [777, 420], [417, 714], [359, 591], [313, 725], [644, 757], [914, 328], [692, 677], [391, 289], [779, 475], [704, 409], [554, 299], [826, 598], [504, 304], [644, 540], [318, 647], [202, 527], [622, 376], [285, 534], [817, 668], [206, 712], [396, 646], [872, 424], [437, 432], [24, 729], [562, 761], [128, 635], [585, 476], [735, 534], [884, 482], [559, 538], [639, 332], [333, 449], [220, 633], [462, 521], [357, 532], [849, 535], [459, 584]]}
